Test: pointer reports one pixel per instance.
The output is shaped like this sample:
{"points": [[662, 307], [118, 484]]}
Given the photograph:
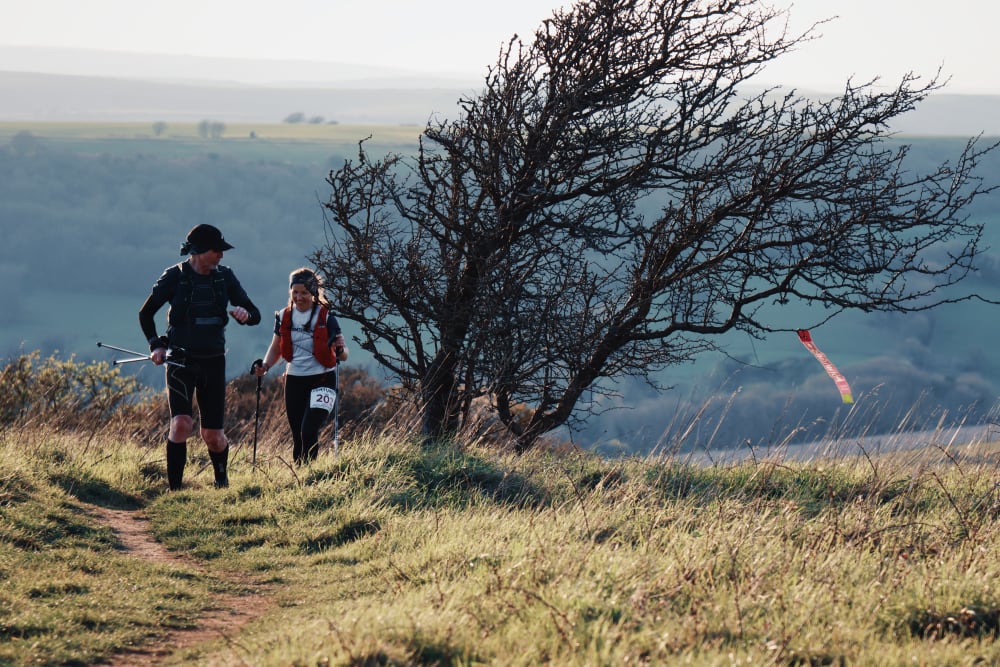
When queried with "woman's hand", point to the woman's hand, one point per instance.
{"points": [[340, 348]]}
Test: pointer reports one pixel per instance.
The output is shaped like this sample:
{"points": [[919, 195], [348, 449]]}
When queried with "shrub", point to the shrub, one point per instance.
{"points": [[69, 395], [64, 392]]}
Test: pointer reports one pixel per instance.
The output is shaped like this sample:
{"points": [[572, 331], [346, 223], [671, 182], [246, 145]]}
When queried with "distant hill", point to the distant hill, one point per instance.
{"points": [[28, 96], [190, 69], [953, 115], [78, 85]]}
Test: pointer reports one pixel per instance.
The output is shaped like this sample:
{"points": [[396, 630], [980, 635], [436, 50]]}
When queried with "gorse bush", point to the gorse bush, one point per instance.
{"points": [[63, 392], [70, 395]]}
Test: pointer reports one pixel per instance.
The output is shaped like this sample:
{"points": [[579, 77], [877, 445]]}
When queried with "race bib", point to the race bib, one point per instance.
{"points": [[323, 398]]}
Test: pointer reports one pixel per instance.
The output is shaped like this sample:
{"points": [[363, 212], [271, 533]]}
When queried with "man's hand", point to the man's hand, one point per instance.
{"points": [[240, 314], [158, 349]]}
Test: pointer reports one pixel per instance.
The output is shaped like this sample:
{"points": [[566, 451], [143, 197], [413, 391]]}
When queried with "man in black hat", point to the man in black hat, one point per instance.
{"points": [[202, 295]]}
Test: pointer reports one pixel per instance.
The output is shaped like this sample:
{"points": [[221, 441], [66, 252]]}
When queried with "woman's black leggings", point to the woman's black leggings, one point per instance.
{"points": [[304, 421]]}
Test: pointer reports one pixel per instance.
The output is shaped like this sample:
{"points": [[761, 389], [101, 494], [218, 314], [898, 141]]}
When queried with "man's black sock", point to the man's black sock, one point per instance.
{"points": [[176, 459]]}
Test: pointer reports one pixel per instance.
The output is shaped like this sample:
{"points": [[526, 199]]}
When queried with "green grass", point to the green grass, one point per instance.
{"points": [[393, 554], [67, 595]]}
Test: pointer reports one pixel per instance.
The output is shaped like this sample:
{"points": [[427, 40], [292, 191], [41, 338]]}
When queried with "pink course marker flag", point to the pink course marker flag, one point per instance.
{"points": [[831, 370]]}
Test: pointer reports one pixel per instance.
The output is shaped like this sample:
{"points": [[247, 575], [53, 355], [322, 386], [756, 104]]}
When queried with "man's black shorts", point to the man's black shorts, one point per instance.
{"points": [[202, 380]]}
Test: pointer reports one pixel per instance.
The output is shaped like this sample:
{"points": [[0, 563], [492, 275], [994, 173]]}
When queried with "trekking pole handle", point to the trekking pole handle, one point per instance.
{"points": [[129, 361]]}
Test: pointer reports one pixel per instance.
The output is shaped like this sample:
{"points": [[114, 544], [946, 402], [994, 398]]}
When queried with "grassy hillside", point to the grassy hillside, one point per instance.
{"points": [[392, 554]]}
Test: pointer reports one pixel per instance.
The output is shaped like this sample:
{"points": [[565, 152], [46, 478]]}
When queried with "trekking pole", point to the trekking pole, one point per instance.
{"points": [[336, 413], [139, 356], [256, 414]]}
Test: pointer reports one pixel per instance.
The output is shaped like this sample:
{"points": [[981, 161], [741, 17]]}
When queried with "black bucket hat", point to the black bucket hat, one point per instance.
{"points": [[203, 238]]}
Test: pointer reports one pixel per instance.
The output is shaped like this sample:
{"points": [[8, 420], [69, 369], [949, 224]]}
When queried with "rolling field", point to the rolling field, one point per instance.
{"points": [[287, 142]]}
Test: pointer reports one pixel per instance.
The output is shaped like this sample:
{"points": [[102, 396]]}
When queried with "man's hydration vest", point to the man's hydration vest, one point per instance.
{"points": [[320, 336], [197, 317]]}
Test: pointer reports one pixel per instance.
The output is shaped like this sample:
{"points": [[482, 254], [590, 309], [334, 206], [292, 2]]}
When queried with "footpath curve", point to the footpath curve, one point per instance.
{"points": [[224, 620]]}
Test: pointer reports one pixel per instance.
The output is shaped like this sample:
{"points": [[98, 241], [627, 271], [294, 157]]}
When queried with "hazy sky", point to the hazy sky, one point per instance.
{"points": [[870, 37]]}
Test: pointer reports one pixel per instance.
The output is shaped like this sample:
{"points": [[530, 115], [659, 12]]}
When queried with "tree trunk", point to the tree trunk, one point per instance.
{"points": [[438, 392]]}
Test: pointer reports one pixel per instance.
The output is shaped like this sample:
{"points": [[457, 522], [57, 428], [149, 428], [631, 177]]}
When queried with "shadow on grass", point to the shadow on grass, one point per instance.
{"points": [[446, 477], [978, 621], [349, 532], [95, 491]]}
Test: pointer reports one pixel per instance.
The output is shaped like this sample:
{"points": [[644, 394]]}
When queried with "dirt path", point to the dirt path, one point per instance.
{"points": [[228, 615]]}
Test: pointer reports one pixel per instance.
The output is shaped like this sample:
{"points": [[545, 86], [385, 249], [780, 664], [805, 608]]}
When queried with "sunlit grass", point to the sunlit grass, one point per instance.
{"points": [[394, 553], [300, 143]]}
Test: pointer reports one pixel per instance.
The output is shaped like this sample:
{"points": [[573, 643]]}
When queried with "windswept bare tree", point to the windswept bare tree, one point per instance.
{"points": [[615, 197]]}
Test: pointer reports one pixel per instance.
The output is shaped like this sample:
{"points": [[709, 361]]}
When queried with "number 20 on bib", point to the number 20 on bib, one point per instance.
{"points": [[323, 398]]}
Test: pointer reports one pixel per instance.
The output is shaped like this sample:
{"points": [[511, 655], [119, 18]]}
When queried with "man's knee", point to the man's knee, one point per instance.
{"points": [[215, 439], [180, 427]]}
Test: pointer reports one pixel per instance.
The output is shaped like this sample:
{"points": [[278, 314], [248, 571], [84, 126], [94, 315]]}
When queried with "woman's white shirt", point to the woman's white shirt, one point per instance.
{"points": [[303, 360]]}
